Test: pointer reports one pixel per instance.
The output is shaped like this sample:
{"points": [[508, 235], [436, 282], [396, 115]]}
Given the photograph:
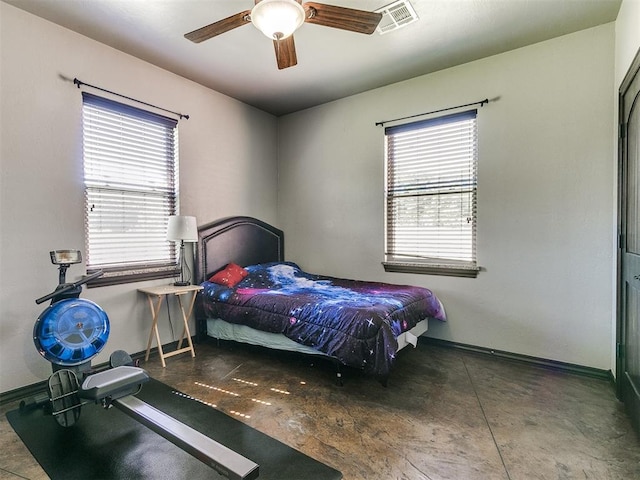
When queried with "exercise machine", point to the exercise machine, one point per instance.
{"points": [[69, 333]]}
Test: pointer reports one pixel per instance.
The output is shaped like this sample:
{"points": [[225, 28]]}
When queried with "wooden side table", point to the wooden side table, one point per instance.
{"points": [[157, 294]]}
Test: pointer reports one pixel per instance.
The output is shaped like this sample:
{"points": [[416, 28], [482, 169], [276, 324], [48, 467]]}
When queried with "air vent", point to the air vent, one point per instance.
{"points": [[396, 15]]}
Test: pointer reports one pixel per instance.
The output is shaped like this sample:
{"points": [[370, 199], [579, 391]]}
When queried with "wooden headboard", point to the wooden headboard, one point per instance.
{"points": [[241, 240]]}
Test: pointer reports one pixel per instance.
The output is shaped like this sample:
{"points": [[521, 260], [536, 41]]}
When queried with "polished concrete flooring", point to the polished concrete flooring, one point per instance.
{"points": [[446, 414]]}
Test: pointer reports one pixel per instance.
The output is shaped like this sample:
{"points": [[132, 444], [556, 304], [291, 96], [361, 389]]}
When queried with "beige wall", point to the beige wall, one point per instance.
{"points": [[627, 37], [227, 167], [545, 200]]}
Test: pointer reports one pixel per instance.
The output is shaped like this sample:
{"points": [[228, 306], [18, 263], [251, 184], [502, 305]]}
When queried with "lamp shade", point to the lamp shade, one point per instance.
{"points": [[182, 228], [277, 19]]}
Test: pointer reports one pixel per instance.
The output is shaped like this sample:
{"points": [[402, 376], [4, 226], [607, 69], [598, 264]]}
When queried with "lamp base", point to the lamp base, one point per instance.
{"points": [[182, 284]]}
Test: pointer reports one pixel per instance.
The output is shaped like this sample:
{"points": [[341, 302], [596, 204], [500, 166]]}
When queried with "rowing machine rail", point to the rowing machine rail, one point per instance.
{"points": [[115, 387], [222, 459]]}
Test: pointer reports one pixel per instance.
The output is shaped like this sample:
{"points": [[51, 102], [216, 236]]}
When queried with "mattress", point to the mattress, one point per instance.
{"points": [[219, 329]]}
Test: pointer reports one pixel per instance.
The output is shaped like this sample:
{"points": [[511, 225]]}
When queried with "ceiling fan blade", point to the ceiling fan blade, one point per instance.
{"points": [[359, 21], [285, 52], [221, 26]]}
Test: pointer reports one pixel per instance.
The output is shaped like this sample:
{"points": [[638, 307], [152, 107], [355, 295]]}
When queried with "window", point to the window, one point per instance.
{"points": [[131, 178], [431, 187]]}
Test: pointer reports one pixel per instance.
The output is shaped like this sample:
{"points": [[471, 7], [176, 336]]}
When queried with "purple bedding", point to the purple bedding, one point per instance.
{"points": [[353, 321]]}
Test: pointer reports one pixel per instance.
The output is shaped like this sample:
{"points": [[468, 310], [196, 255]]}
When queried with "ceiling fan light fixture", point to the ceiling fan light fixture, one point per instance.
{"points": [[277, 19]]}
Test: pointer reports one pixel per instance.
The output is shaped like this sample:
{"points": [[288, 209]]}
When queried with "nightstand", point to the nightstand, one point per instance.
{"points": [[155, 295]]}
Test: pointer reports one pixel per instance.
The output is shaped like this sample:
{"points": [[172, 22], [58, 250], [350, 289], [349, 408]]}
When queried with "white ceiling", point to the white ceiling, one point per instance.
{"points": [[331, 63]]}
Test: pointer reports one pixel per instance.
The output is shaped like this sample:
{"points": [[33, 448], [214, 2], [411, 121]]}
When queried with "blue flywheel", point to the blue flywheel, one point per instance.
{"points": [[71, 331]]}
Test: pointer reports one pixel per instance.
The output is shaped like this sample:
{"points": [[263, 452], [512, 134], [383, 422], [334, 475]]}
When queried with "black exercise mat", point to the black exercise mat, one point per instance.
{"points": [[107, 444]]}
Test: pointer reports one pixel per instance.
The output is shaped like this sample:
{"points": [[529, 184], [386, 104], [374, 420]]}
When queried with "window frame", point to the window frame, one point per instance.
{"points": [[413, 262], [133, 271]]}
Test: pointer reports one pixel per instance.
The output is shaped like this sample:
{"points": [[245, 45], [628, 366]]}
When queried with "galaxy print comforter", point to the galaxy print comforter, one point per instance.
{"points": [[353, 321]]}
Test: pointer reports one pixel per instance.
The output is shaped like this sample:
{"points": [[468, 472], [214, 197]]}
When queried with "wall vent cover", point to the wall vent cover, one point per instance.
{"points": [[396, 15]]}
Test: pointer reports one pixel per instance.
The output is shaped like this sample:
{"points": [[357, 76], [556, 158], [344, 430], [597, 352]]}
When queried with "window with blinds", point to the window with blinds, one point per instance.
{"points": [[431, 169], [131, 179]]}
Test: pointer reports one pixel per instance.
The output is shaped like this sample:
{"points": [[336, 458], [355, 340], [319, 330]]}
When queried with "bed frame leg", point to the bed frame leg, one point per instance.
{"points": [[338, 365]]}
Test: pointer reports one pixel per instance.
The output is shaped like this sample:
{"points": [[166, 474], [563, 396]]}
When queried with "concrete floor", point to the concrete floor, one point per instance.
{"points": [[445, 414]]}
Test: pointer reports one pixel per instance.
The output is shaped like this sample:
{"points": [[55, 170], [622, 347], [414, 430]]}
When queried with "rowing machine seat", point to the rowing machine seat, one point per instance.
{"points": [[114, 383]]}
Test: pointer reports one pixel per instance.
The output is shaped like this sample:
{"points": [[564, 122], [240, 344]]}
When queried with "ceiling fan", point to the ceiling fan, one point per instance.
{"points": [[278, 19]]}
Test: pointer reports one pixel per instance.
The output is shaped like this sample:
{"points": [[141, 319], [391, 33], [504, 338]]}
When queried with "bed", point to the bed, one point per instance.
{"points": [[252, 295]]}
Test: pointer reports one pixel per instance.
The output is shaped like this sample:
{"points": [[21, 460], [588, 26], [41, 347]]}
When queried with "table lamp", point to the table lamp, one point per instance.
{"points": [[183, 229]]}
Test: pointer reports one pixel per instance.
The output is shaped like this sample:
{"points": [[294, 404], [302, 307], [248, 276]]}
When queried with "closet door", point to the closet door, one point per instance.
{"points": [[628, 369]]}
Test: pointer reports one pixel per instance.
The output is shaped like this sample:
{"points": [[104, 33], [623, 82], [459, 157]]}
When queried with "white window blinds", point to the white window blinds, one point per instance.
{"points": [[130, 175], [431, 187]]}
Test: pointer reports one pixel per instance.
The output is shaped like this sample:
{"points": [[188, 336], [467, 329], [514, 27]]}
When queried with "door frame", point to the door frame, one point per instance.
{"points": [[633, 70]]}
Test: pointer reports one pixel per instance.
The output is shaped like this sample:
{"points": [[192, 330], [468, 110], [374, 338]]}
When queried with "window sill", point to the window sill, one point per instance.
{"points": [[117, 277], [432, 269]]}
